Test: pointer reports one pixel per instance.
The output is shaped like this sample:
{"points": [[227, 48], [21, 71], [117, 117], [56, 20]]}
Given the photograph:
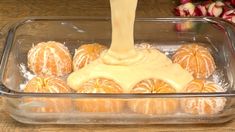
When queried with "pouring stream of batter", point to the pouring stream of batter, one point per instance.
{"points": [[125, 64]]}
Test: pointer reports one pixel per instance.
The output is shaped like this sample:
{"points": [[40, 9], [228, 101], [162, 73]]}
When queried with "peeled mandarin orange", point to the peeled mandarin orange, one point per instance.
{"points": [[48, 85], [195, 59], [86, 54], [99, 85], [203, 105], [154, 105], [50, 58]]}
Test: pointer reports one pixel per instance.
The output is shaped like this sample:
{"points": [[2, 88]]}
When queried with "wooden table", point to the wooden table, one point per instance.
{"points": [[11, 10]]}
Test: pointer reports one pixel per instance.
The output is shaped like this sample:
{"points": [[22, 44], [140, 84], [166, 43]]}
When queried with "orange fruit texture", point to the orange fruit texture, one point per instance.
{"points": [[196, 59], [50, 58], [86, 54], [48, 85], [159, 106], [99, 85], [202, 105]]}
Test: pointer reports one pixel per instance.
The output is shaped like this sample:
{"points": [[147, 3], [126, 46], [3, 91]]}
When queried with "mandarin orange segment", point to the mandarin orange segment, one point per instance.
{"points": [[203, 105], [48, 85], [106, 105], [157, 105], [195, 59], [50, 58], [86, 54], [99, 85]]}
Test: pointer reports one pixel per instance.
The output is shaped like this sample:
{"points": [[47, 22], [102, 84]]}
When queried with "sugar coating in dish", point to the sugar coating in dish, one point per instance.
{"points": [[99, 85], [48, 85], [196, 59], [154, 105], [203, 105], [50, 58], [144, 46], [86, 54]]}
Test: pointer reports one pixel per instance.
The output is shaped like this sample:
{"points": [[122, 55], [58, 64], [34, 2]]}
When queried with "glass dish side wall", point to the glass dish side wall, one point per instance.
{"points": [[164, 34], [113, 111]]}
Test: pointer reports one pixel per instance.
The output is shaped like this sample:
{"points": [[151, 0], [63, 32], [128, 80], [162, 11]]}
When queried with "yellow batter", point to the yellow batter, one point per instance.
{"points": [[125, 64]]}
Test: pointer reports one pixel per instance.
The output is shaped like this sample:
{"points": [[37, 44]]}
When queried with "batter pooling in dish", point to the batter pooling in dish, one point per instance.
{"points": [[125, 64]]}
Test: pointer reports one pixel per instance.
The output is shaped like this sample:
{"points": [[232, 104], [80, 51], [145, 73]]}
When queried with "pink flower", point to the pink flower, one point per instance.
{"points": [[233, 2], [216, 9], [229, 15], [185, 1], [201, 10], [187, 9], [206, 3]]}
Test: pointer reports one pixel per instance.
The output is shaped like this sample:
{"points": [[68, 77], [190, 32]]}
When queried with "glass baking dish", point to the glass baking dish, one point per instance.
{"points": [[166, 34]]}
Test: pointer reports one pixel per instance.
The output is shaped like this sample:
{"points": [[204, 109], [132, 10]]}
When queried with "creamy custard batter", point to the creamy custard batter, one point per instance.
{"points": [[125, 64]]}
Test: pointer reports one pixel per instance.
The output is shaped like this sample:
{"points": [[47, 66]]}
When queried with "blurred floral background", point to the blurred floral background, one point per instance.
{"points": [[214, 8]]}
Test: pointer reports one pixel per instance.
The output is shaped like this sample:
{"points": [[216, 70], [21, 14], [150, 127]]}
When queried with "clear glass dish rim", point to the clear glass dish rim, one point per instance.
{"points": [[11, 28]]}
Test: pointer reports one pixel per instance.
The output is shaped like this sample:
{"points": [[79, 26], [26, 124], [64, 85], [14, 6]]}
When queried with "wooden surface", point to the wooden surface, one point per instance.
{"points": [[11, 10]]}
